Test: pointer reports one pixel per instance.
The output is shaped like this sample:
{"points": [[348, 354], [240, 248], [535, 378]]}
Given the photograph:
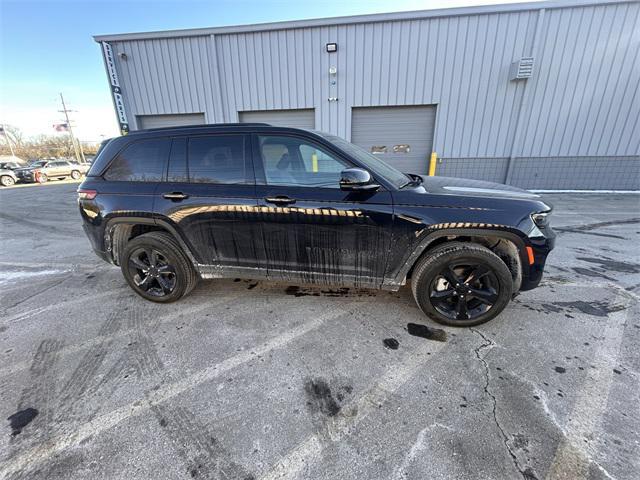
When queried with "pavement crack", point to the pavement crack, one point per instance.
{"points": [[527, 473]]}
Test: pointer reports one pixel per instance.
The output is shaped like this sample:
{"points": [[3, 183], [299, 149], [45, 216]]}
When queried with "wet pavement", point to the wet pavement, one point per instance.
{"points": [[257, 380]]}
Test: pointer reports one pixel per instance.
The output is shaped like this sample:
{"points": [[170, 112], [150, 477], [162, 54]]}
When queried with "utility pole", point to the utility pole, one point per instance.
{"points": [[6, 136], [80, 153]]}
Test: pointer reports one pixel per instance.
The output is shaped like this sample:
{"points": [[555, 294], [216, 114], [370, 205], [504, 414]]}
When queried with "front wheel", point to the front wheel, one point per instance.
{"points": [[462, 284], [42, 178], [156, 268], [7, 181]]}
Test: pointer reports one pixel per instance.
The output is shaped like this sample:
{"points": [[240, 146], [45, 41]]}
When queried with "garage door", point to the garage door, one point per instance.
{"points": [[300, 118], [174, 120], [401, 136]]}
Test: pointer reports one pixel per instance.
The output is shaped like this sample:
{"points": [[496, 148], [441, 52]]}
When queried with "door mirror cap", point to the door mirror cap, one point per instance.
{"points": [[357, 179]]}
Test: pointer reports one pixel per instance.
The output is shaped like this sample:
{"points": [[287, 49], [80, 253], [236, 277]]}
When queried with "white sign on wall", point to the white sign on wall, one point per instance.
{"points": [[116, 90]]}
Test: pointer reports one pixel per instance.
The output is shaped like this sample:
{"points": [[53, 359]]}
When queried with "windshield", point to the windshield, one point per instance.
{"points": [[378, 167]]}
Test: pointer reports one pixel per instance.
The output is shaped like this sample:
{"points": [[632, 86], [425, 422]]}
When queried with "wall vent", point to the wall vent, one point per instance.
{"points": [[522, 69]]}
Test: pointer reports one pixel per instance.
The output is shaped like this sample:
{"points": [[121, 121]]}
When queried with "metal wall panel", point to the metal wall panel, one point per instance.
{"points": [[300, 118], [389, 127], [165, 76], [582, 99], [174, 120]]}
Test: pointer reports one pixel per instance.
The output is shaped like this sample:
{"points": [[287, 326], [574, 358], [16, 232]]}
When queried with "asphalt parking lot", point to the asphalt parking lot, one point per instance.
{"points": [[257, 380]]}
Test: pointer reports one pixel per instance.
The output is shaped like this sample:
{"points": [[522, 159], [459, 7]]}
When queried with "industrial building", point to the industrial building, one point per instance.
{"points": [[538, 95]]}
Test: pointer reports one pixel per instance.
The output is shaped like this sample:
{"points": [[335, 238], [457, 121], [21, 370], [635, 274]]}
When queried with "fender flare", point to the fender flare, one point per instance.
{"points": [[505, 232], [114, 222]]}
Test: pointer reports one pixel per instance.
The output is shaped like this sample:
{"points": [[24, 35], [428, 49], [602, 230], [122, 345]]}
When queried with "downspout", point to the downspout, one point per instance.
{"points": [[525, 96]]}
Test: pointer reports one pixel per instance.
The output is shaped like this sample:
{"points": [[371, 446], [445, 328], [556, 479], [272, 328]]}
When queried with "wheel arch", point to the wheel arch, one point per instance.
{"points": [[507, 244], [121, 230]]}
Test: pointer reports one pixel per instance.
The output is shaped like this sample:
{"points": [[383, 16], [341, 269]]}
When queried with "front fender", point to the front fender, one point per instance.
{"points": [[397, 276]]}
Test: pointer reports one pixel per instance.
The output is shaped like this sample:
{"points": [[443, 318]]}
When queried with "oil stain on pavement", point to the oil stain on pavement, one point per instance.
{"points": [[21, 419]]}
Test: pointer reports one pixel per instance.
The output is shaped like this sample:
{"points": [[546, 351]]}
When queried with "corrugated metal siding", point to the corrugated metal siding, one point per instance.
{"points": [[585, 98], [174, 120], [166, 76], [582, 99], [390, 126], [301, 118]]}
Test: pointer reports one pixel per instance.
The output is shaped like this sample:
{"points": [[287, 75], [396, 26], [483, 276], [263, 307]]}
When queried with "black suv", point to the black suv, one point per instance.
{"points": [[257, 201]]}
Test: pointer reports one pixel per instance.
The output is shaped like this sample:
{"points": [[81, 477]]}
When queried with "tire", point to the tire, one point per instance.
{"points": [[158, 284], [7, 181], [75, 174], [43, 178], [482, 290]]}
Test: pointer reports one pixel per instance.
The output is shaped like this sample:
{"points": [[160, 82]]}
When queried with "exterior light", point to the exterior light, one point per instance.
{"points": [[332, 47]]}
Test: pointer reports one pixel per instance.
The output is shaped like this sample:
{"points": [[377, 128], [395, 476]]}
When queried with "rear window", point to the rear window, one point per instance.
{"points": [[217, 159], [142, 161]]}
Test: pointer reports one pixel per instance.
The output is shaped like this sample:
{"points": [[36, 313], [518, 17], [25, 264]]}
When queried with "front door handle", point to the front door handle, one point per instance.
{"points": [[280, 200], [175, 196]]}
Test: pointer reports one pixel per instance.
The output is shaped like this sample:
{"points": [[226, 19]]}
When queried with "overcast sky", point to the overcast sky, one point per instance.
{"points": [[46, 47]]}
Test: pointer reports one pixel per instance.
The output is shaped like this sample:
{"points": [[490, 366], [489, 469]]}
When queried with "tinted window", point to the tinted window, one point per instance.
{"points": [[142, 161], [217, 159], [296, 162]]}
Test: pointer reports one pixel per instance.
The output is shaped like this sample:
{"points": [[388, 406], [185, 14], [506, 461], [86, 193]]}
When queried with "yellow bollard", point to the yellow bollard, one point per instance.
{"points": [[432, 164]]}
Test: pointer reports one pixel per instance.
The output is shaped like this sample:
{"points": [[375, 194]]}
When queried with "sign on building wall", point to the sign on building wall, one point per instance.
{"points": [[116, 90]]}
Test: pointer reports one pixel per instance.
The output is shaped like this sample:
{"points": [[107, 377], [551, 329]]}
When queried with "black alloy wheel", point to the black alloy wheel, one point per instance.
{"points": [[152, 272], [464, 292], [461, 284], [156, 267]]}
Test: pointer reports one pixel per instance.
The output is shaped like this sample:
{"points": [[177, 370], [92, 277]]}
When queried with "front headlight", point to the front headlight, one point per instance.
{"points": [[541, 219]]}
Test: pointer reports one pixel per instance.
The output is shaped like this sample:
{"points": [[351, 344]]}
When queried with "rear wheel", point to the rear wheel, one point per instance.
{"points": [[76, 174], [7, 181], [462, 284], [156, 268]]}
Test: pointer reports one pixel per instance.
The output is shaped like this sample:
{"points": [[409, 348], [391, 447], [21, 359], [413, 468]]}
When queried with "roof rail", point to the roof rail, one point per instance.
{"points": [[204, 125]]}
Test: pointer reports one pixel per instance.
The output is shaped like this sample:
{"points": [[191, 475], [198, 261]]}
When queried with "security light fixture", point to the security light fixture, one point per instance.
{"points": [[332, 47]]}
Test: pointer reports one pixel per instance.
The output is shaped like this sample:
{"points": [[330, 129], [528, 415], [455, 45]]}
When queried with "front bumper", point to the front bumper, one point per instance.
{"points": [[542, 246], [25, 177]]}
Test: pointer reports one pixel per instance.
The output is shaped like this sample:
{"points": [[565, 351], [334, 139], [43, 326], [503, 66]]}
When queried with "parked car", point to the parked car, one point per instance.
{"points": [[7, 177], [10, 165], [170, 206], [43, 170]]}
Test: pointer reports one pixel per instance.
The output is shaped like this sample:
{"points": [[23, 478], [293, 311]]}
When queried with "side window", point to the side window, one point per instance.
{"points": [[217, 159], [296, 162], [142, 161]]}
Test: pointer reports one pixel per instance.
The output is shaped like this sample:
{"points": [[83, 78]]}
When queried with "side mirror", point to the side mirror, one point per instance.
{"points": [[357, 179]]}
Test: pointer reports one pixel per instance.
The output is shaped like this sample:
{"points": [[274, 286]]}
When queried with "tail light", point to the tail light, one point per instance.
{"points": [[85, 194]]}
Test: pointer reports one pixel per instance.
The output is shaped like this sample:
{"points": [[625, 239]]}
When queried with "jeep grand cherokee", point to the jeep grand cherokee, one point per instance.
{"points": [[173, 205]]}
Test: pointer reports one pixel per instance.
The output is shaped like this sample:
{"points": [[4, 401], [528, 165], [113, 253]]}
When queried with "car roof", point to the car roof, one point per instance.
{"points": [[211, 128]]}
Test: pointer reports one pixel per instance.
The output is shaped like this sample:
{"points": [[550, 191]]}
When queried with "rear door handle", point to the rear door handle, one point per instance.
{"points": [[280, 200], [175, 196]]}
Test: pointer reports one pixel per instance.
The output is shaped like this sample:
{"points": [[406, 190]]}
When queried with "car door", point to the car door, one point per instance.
{"points": [[209, 198], [56, 169], [314, 231], [64, 168]]}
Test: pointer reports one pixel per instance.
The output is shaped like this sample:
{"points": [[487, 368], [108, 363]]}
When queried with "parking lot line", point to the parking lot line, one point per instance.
{"points": [[352, 414], [573, 456], [31, 458]]}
